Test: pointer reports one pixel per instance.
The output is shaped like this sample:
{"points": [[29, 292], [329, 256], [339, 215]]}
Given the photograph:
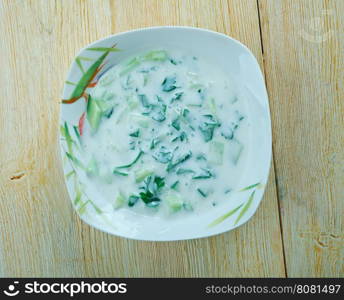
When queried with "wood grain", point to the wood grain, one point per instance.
{"points": [[40, 235], [304, 66]]}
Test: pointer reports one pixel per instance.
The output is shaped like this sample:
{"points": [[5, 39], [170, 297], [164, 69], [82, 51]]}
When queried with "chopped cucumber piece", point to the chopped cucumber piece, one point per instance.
{"points": [[141, 120], [106, 107], [235, 148], [202, 193], [131, 65], [157, 55], [92, 168], [117, 172], [94, 113], [216, 150], [132, 102], [119, 201], [174, 201], [212, 105], [106, 176], [141, 175], [145, 79]]}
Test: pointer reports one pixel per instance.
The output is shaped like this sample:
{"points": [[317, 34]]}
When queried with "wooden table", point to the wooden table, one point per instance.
{"points": [[298, 229]]}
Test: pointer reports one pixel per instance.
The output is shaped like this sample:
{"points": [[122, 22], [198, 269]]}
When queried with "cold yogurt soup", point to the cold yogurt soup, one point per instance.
{"points": [[165, 134]]}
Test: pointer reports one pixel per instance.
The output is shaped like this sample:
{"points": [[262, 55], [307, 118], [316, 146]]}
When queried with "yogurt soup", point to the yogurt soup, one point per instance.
{"points": [[166, 133]]}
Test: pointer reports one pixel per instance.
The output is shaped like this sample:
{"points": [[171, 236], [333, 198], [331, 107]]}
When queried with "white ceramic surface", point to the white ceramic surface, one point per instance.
{"points": [[237, 60]]}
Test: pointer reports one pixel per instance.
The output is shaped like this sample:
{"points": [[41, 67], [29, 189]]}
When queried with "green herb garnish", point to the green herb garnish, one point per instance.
{"points": [[132, 163], [174, 186], [205, 175], [208, 126], [182, 137], [180, 160], [144, 100], [154, 143], [116, 172], [163, 155], [136, 133], [168, 84], [181, 171], [176, 97], [133, 200], [176, 124], [152, 188], [203, 194]]}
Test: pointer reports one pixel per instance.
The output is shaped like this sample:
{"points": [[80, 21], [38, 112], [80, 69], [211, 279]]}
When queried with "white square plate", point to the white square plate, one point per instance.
{"points": [[234, 58]]}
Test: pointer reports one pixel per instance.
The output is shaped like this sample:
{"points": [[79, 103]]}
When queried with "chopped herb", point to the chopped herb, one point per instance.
{"points": [[132, 163], [109, 112], [176, 97], [172, 61], [154, 143], [158, 112], [187, 206], [168, 84], [163, 155], [186, 113], [116, 172], [132, 145], [176, 124], [174, 186], [144, 101], [182, 137], [207, 127], [203, 194], [156, 55], [135, 133], [180, 160], [133, 200], [228, 133], [201, 156], [205, 175], [181, 171], [152, 188]]}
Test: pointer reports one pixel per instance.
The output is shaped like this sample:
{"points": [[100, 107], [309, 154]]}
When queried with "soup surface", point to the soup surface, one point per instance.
{"points": [[166, 134]]}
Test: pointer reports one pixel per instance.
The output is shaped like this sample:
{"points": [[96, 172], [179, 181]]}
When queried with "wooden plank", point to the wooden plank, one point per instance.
{"points": [[40, 234], [304, 63]]}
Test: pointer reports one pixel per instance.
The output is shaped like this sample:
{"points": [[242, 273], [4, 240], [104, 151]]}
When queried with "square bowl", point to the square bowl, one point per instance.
{"points": [[236, 60]]}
